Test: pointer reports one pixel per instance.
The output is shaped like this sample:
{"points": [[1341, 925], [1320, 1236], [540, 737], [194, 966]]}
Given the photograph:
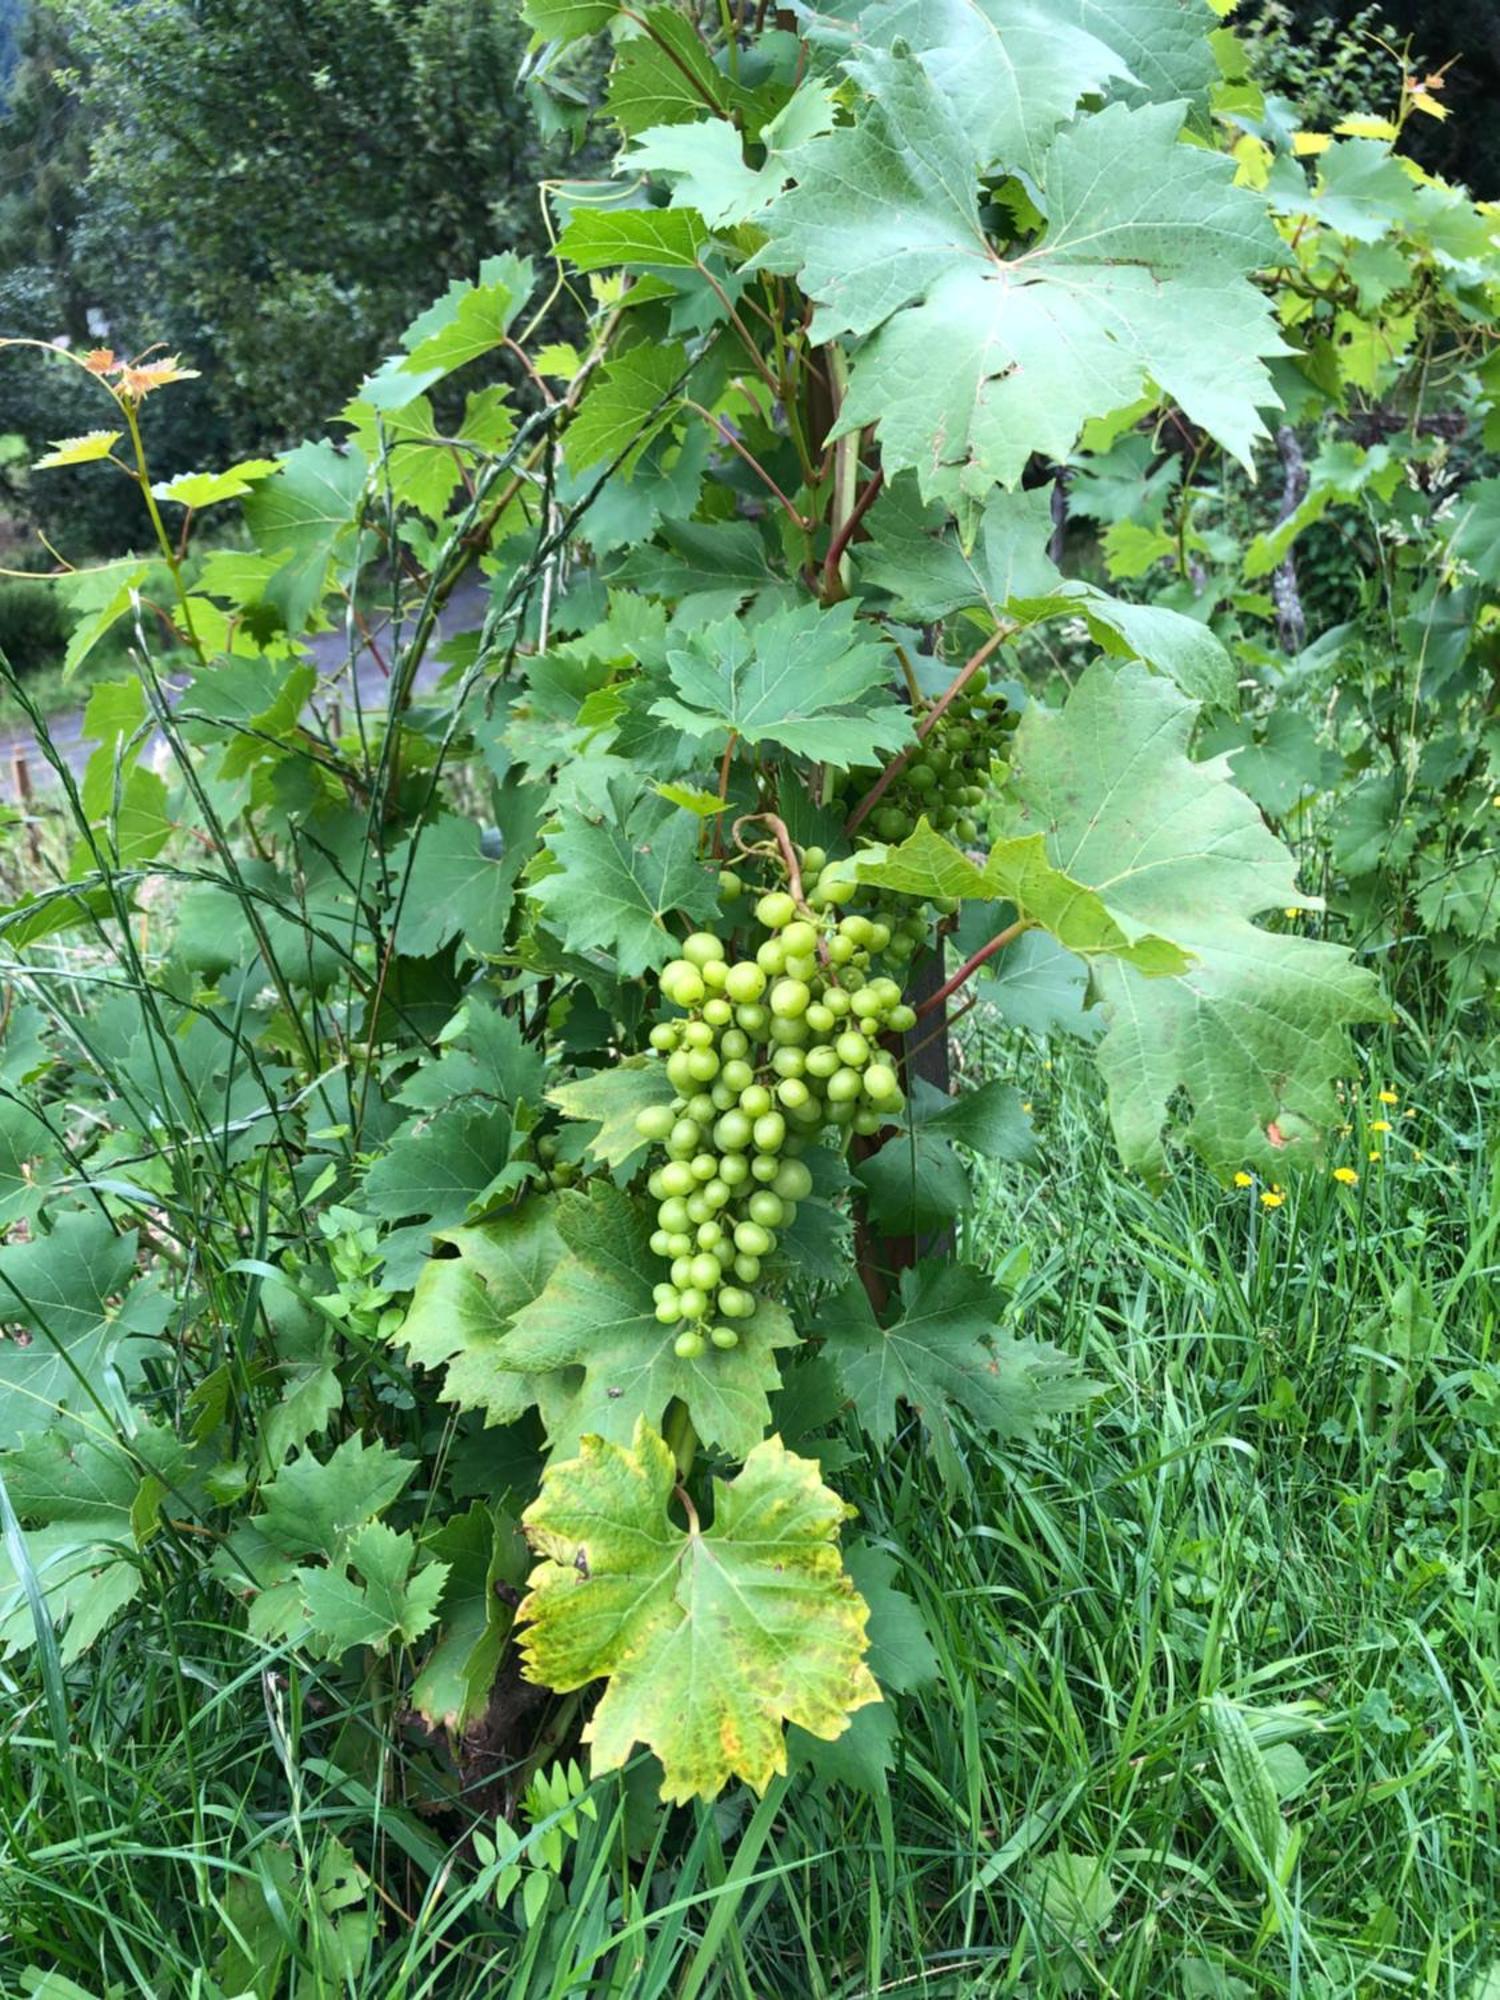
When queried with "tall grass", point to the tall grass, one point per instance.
{"points": [[1218, 1699]]}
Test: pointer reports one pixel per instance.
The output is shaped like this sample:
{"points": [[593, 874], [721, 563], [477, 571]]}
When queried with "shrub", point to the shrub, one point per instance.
{"points": [[33, 625]]}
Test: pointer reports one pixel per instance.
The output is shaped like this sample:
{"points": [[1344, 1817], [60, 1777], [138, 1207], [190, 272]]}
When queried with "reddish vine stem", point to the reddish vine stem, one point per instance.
{"points": [[950, 694], [723, 431], [942, 1027], [972, 964], [847, 532], [783, 842]]}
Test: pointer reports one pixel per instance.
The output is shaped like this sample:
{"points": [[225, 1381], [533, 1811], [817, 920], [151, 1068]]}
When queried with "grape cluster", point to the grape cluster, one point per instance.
{"points": [[947, 776], [770, 1050]]}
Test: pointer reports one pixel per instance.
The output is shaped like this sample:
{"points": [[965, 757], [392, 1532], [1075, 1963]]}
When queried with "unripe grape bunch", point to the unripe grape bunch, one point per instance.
{"points": [[770, 1050]]}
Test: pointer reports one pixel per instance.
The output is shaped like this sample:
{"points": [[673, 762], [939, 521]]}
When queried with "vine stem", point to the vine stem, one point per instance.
{"points": [[831, 577], [928, 722], [972, 964], [724, 432], [783, 842]]}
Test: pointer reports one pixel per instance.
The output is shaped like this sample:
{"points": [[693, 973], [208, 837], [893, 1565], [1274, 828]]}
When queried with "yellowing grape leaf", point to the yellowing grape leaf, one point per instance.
{"points": [[1254, 1032], [711, 1638], [78, 450], [610, 1098]]}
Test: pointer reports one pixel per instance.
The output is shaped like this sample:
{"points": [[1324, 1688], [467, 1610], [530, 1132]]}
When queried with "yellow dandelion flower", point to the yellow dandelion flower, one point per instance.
{"points": [[1027, 1109], [1373, 1154], [1242, 1179], [1495, 801], [1419, 1154], [1272, 1198], [1347, 1176], [1410, 1111], [1380, 1124], [1292, 913], [1345, 1130], [1389, 1097]]}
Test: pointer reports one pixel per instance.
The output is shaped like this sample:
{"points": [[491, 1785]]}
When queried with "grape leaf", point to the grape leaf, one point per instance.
{"points": [[901, 1659], [1162, 41], [453, 888], [299, 518], [599, 239], [436, 1168], [26, 1146], [1141, 276], [75, 1494], [945, 1355], [1012, 71], [463, 1305], [629, 402], [1019, 872], [1255, 1031], [618, 882], [801, 679], [711, 1638], [611, 1098], [68, 1314], [481, 1549], [387, 1599], [597, 1313]]}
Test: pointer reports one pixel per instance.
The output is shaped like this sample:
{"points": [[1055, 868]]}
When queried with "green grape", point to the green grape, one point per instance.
{"points": [[814, 861], [698, 1035], [664, 1291], [734, 1131], [767, 1208], [709, 1233], [793, 1093], [669, 1311], [680, 1244], [903, 1019], [746, 1269], [677, 1178], [793, 1182], [724, 1336], [769, 1132], [716, 1191], [688, 1345], [731, 888], [868, 1123], [682, 1270], [664, 1037], [698, 1209], [746, 982], [843, 1086], [776, 910], [852, 1049], [733, 1172], [736, 1075], [755, 1101], [881, 1082], [703, 1065], [682, 1140], [678, 1073], [771, 958], [736, 1304], [717, 1012], [693, 1301], [703, 1167], [704, 1274], [753, 1239], [682, 983], [661, 1243], [673, 1215], [788, 1061], [800, 937], [700, 1108], [753, 1018], [701, 948]]}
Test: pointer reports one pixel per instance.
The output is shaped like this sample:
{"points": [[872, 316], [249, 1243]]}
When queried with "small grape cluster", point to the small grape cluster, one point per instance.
{"points": [[947, 776], [771, 1050]]}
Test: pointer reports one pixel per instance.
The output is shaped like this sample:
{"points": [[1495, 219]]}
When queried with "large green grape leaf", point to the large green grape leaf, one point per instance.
{"points": [[68, 1313], [1012, 71], [597, 1313], [1020, 872], [1254, 1033], [972, 362], [616, 883], [801, 680], [712, 1639], [1163, 41], [462, 1306], [946, 1355]]}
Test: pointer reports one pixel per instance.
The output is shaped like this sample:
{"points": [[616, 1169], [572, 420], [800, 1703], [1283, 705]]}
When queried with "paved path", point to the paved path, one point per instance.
{"points": [[327, 650]]}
